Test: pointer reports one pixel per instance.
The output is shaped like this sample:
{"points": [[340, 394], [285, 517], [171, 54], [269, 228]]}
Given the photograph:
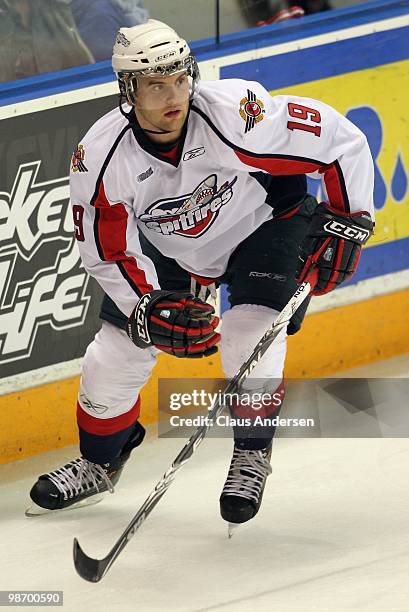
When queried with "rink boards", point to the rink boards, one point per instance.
{"points": [[356, 60]]}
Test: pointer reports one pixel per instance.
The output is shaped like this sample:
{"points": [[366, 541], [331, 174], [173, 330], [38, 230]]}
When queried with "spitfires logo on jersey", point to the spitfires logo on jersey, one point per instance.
{"points": [[77, 160], [190, 215], [251, 110]]}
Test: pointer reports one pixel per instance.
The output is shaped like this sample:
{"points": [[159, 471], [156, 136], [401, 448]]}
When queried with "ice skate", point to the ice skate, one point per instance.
{"points": [[243, 490], [80, 482]]}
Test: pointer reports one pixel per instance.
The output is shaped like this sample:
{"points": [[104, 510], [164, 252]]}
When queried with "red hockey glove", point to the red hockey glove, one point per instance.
{"points": [[330, 252], [175, 322]]}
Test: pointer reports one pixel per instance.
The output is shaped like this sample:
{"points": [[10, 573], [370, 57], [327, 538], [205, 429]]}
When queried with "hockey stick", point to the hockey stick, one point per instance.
{"points": [[94, 569]]}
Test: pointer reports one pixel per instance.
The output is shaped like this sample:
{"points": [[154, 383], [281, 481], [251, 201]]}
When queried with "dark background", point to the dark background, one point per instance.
{"points": [[50, 136]]}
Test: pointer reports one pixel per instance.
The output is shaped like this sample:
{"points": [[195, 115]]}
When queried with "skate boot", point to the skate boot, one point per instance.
{"points": [[73, 484], [243, 490]]}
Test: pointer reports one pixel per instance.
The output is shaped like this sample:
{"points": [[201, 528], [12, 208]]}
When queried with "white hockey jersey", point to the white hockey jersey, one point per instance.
{"points": [[243, 156]]}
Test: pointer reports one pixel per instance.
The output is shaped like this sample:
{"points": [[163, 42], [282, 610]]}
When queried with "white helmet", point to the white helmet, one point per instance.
{"points": [[150, 48]]}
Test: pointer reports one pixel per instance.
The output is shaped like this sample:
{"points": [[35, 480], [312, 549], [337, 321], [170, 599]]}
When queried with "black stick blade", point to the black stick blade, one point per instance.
{"points": [[88, 568]]}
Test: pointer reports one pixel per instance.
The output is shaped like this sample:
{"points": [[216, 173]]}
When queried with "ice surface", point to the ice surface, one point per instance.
{"points": [[332, 533]]}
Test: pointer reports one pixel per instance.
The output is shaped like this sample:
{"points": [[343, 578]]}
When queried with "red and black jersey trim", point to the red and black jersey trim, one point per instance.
{"points": [[336, 188], [279, 165], [110, 223], [110, 226]]}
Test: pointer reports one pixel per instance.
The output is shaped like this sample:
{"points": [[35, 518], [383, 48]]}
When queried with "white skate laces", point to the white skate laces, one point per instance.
{"points": [[247, 474], [79, 476]]}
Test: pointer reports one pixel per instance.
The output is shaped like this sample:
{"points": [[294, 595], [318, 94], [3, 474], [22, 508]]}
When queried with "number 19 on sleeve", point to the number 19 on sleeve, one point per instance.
{"points": [[304, 113]]}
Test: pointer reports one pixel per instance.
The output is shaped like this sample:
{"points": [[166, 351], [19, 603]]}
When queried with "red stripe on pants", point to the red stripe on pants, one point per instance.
{"points": [[106, 427]]}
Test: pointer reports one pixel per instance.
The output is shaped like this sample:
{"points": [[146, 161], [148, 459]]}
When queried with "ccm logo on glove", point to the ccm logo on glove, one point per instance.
{"points": [[141, 320], [349, 232], [329, 254], [175, 322]]}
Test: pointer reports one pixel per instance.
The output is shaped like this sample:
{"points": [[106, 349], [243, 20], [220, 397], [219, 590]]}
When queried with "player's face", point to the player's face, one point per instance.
{"points": [[163, 102]]}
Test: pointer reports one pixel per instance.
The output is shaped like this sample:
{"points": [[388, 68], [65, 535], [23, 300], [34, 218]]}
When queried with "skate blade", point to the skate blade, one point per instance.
{"points": [[35, 510], [232, 527]]}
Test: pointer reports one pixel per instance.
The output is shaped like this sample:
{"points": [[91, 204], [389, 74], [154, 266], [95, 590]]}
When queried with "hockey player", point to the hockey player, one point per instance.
{"points": [[186, 185]]}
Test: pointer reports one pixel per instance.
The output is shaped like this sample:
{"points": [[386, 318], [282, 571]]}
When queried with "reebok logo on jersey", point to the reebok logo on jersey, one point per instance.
{"points": [[190, 215], [251, 110], [193, 153], [144, 175]]}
